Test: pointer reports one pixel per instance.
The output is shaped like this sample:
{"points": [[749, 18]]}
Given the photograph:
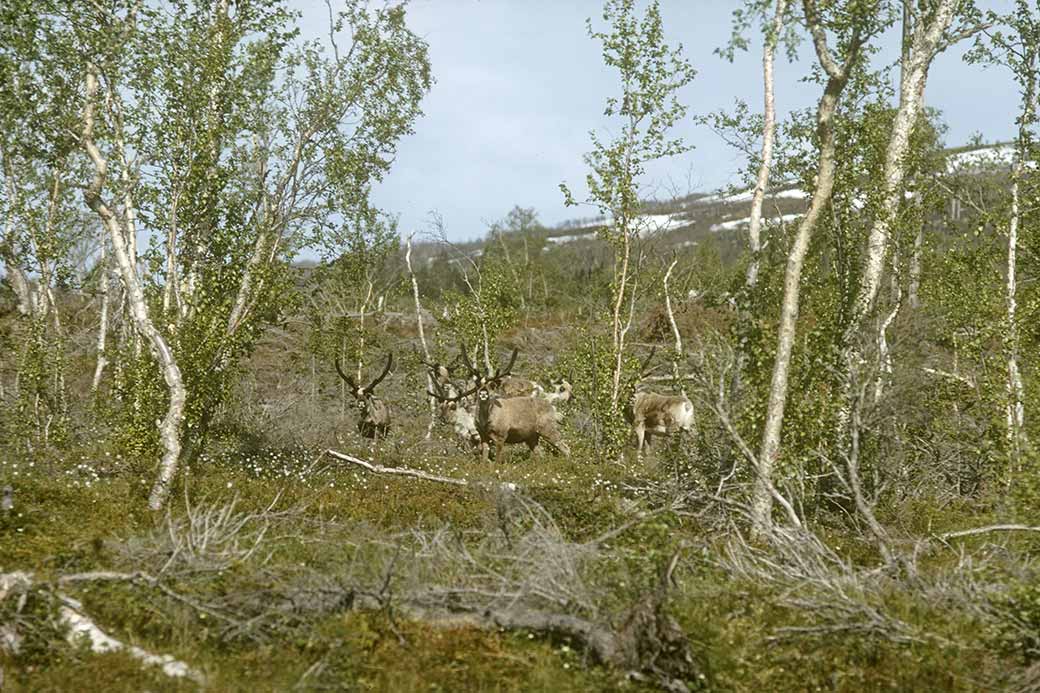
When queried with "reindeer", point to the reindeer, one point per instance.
{"points": [[651, 413], [512, 386], [374, 421], [452, 407], [454, 411], [507, 420]]}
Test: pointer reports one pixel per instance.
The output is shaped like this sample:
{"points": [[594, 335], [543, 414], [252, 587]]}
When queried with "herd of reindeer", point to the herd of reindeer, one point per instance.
{"points": [[502, 409]]}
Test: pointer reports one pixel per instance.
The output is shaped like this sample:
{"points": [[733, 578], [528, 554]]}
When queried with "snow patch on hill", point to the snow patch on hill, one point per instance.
{"points": [[986, 157], [572, 237], [746, 195], [738, 223]]}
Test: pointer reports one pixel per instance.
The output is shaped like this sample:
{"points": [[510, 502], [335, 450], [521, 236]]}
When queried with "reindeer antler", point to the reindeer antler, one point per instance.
{"points": [[464, 354], [482, 380], [642, 369], [509, 369], [436, 367], [347, 378], [379, 378]]}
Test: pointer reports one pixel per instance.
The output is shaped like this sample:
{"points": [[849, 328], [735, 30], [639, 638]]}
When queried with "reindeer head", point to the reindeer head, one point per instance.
{"points": [[560, 390], [375, 416], [481, 385]]}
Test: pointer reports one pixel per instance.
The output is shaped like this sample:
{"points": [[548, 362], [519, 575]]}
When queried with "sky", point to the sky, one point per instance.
{"points": [[519, 85]]}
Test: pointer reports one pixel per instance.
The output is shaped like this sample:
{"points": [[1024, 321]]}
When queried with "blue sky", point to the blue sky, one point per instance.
{"points": [[520, 84]]}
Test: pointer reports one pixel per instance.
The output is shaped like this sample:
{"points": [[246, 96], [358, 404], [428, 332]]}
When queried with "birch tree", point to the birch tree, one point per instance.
{"points": [[652, 74], [278, 151], [1020, 55], [116, 225], [1016, 48], [40, 220], [773, 34], [928, 30], [852, 29]]}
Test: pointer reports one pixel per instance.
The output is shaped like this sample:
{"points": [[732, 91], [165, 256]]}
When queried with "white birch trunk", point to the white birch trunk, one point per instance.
{"points": [[422, 334], [884, 353], [914, 286], [618, 330], [922, 47], [170, 426], [1016, 432], [768, 139], [102, 357], [675, 329], [1015, 391], [361, 332], [762, 496]]}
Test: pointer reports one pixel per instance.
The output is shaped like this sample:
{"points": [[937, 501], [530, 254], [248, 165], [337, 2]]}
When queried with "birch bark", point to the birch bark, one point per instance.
{"points": [[422, 334], [768, 139], [837, 78], [923, 42], [169, 428]]}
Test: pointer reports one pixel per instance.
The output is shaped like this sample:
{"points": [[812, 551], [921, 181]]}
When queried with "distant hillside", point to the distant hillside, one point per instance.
{"points": [[686, 221], [690, 220]]}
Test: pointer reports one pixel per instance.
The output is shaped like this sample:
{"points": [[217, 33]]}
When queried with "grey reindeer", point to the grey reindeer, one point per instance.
{"points": [[374, 413]]}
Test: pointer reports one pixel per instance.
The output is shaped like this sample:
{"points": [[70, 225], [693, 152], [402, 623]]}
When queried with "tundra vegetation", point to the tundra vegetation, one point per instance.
{"points": [[837, 365]]}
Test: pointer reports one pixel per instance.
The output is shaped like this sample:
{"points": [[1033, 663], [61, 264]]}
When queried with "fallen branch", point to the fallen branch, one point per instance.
{"points": [[414, 473], [988, 529], [646, 642], [79, 626], [668, 378], [149, 581]]}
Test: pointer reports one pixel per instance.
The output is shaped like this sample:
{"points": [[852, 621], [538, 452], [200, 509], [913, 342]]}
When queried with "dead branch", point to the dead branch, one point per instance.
{"points": [[675, 329], [406, 471], [988, 529], [721, 410], [80, 627], [970, 382]]}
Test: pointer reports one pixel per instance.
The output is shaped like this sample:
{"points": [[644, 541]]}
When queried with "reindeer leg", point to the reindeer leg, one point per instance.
{"points": [[640, 436], [500, 450], [556, 440]]}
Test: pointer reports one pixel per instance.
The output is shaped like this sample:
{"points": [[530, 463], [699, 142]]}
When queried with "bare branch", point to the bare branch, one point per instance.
{"points": [[405, 471]]}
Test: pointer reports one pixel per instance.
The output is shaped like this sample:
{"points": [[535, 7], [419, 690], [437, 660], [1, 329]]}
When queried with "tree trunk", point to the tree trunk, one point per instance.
{"points": [[1015, 390], [618, 331], [914, 286], [422, 334], [762, 498], [768, 138], [920, 49], [102, 357], [675, 328], [170, 427], [884, 352]]}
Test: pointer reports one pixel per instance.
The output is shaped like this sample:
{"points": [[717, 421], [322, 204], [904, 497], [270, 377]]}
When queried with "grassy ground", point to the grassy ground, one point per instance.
{"points": [[67, 520]]}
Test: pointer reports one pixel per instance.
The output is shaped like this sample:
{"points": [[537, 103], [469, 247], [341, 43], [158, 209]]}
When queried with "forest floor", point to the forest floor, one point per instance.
{"points": [[260, 579]]}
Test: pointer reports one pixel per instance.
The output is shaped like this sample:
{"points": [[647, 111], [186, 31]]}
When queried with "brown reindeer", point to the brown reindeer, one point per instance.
{"points": [[507, 420], [374, 413], [651, 413]]}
